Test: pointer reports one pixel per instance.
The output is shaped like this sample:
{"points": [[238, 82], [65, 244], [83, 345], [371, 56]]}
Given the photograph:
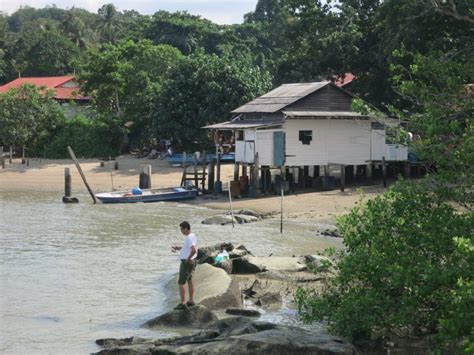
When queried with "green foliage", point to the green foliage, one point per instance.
{"points": [[203, 89], [27, 114], [401, 269], [125, 80], [88, 137]]}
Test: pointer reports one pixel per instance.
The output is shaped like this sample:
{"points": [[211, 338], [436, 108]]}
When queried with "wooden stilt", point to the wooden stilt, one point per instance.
{"points": [[236, 172], [343, 177], [218, 183], [384, 172], [145, 177], [11, 154], [210, 180]]}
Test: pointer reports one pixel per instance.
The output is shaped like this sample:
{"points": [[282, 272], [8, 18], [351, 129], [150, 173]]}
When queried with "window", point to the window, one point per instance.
{"points": [[306, 137]]}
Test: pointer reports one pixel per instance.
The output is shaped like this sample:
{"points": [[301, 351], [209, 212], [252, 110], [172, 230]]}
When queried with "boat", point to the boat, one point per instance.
{"points": [[148, 195]]}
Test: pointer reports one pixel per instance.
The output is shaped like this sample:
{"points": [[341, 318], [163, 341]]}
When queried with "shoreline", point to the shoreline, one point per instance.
{"points": [[48, 175]]}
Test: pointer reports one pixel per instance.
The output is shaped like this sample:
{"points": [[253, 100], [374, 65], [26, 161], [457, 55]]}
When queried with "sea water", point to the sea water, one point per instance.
{"points": [[71, 274]]}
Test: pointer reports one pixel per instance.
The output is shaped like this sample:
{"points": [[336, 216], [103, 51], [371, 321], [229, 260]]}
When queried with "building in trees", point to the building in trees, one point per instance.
{"points": [[307, 127]]}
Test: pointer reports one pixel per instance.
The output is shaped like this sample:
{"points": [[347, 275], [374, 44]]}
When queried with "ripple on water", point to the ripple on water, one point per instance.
{"points": [[70, 274]]}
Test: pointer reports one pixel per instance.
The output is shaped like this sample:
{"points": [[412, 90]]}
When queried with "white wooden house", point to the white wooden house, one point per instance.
{"points": [[317, 125], [309, 125]]}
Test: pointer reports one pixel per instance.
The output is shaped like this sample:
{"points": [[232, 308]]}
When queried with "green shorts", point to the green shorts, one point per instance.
{"points": [[186, 271]]}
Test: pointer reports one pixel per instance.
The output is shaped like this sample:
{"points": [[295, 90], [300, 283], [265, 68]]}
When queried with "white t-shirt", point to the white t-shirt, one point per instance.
{"points": [[188, 243]]}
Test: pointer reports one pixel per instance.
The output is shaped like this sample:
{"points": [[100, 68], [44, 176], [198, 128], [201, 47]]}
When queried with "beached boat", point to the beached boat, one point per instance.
{"points": [[148, 195]]}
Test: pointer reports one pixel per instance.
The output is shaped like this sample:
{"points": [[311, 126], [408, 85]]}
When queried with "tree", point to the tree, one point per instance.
{"points": [[125, 79], [408, 258], [109, 23], [26, 114], [203, 89]]}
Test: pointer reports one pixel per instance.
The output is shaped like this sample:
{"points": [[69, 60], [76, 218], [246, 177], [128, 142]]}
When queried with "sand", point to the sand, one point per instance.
{"points": [[48, 175]]}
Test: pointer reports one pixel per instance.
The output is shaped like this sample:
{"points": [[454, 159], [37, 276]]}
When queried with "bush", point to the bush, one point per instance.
{"points": [[88, 137], [401, 270]]}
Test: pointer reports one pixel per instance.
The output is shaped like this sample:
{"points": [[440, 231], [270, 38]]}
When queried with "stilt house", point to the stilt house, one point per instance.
{"points": [[308, 125]]}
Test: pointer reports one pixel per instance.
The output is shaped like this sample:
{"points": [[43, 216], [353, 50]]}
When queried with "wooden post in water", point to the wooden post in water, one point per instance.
{"points": [[11, 154], [145, 177], [27, 162], [236, 171], [230, 204], [3, 163], [79, 169], [67, 182], [116, 165], [102, 164], [343, 177], [384, 172]]}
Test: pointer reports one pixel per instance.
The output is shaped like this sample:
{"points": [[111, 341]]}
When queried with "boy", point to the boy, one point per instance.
{"points": [[188, 254]]}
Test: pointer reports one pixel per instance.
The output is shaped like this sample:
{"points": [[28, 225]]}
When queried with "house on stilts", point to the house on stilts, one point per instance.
{"points": [[307, 134]]}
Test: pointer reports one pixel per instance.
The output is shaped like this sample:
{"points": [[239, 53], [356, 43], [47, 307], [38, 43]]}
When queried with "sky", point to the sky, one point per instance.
{"points": [[218, 11]]}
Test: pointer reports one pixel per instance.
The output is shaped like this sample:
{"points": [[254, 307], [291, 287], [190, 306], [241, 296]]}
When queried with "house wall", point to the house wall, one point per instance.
{"points": [[328, 98], [334, 142]]}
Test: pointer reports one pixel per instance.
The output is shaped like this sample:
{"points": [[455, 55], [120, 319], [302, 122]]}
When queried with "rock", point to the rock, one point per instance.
{"points": [[239, 335], [269, 300], [242, 218], [207, 254], [214, 289], [226, 265], [328, 230], [197, 316], [252, 264], [67, 199], [221, 219], [251, 213], [243, 312]]}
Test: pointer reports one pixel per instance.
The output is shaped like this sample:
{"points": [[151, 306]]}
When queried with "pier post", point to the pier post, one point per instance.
{"points": [[145, 177], [102, 164], [116, 165], [218, 183], [384, 172], [210, 179], [3, 163], [67, 188], [236, 171], [11, 154], [343, 177]]}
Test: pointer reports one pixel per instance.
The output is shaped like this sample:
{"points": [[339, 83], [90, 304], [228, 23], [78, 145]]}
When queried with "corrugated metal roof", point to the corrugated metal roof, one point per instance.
{"points": [[51, 82], [244, 124], [321, 114], [281, 97]]}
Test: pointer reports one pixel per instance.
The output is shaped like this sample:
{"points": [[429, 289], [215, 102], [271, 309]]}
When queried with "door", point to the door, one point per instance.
{"points": [[278, 148]]}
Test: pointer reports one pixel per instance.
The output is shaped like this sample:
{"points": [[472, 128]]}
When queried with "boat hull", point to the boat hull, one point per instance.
{"points": [[152, 195]]}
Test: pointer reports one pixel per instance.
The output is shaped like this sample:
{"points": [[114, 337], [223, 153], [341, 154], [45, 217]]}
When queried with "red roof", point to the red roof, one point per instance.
{"points": [[56, 83], [343, 81]]}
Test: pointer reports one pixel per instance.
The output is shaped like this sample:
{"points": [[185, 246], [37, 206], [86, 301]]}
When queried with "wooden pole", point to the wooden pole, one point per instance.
{"points": [[145, 177], [236, 171], [111, 173], [78, 166], [3, 163], [184, 159], [11, 154], [210, 180], [230, 204], [343, 177], [116, 165], [281, 210], [196, 183], [67, 182], [384, 172]]}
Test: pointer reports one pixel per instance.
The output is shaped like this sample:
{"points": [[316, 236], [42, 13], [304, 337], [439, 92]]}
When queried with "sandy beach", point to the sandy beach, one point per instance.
{"points": [[48, 175]]}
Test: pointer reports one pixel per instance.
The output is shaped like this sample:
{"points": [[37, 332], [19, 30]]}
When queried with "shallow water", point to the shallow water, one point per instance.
{"points": [[70, 274]]}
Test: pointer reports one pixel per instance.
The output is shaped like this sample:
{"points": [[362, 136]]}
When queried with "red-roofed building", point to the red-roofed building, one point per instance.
{"points": [[65, 88], [344, 80]]}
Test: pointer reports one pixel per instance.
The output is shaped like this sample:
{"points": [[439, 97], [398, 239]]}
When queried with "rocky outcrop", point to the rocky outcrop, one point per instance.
{"points": [[197, 316], [237, 335], [214, 289], [207, 254], [252, 264], [328, 230], [246, 312], [240, 217]]}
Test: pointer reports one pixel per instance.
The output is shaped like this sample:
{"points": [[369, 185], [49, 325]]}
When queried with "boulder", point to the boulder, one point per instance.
{"points": [[225, 265], [214, 289], [243, 312], [197, 316], [240, 335], [328, 230], [220, 220], [207, 254], [251, 213], [242, 218], [252, 264], [269, 300]]}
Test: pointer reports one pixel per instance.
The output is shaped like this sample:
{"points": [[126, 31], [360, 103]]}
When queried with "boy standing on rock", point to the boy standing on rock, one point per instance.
{"points": [[188, 254]]}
